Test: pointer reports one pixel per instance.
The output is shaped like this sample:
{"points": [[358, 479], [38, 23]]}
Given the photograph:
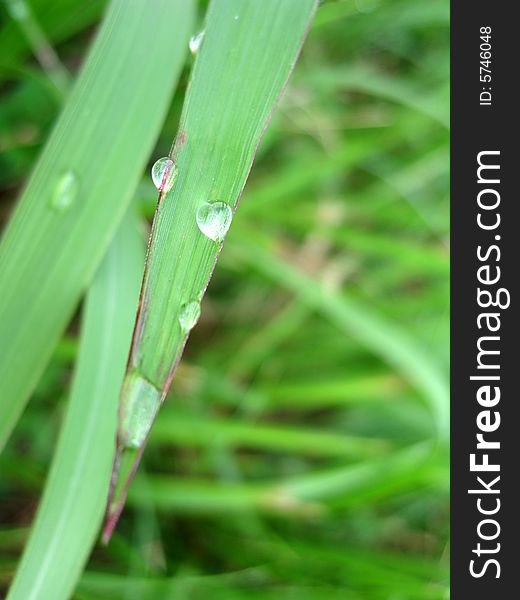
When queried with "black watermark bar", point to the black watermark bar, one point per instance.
{"points": [[485, 199]]}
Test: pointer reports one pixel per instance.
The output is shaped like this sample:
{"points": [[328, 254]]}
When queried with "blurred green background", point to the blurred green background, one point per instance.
{"points": [[292, 460]]}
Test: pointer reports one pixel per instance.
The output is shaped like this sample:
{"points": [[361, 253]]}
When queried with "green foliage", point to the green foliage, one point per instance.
{"points": [[56, 238], [73, 503], [298, 454], [247, 54]]}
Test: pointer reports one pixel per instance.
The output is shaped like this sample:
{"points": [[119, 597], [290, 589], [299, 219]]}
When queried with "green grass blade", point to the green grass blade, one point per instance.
{"points": [[185, 430], [301, 496], [60, 20], [72, 506], [371, 82], [247, 54], [54, 242], [390, 342], [56, 72]]}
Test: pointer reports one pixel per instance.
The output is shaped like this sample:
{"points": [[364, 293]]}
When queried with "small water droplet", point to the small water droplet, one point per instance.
{"points": [[65, 192], [196, 41], [164, 173], [214, 219], [235, 17], [189, 315]]}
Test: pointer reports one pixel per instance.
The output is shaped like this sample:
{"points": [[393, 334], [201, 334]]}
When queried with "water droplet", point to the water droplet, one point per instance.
{"points": [[214, 219], [189, 315], [65, 191], [196, 41], [164, 173], [140, 402]]}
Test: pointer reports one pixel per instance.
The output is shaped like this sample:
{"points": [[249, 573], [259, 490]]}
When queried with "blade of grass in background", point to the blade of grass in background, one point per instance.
{"points": [[248, 52], [302, 496], [72, 506], [186, 430], [57, 75], [59, 19], [82, 185], [387, 340], [368, 82]]}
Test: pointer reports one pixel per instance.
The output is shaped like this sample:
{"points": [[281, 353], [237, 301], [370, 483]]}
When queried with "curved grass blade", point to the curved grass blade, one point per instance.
{"points": [[181, 428], [387, 340], [72, 506], [57, 74], [60, 20], [393, 89], [247, 54], [82, 185], [301, 496]]}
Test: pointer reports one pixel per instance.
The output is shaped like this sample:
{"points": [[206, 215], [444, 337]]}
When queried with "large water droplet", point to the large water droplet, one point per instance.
{"points": [[214, 219], [196, 41], [140, 403], [65, 192], [189, 315], [164, 173]]}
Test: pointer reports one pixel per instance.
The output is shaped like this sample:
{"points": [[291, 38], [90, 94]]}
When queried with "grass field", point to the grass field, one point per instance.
{"points": [[302, 452]]}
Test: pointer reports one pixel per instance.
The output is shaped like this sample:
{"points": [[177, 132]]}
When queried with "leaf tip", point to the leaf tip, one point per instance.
{"points": [[126, 461]]}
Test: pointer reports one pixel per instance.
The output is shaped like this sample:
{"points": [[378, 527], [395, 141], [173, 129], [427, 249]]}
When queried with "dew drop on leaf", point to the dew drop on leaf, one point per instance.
{"points": [[196, 41], [189, 315], [65, 191], [164, 173], [214, 219]]}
